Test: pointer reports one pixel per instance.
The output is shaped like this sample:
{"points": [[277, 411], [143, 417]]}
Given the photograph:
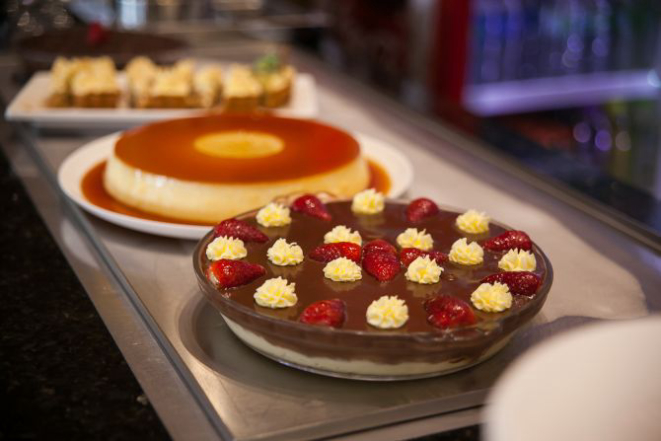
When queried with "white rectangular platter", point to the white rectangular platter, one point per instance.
{"points": [[29, 106]]}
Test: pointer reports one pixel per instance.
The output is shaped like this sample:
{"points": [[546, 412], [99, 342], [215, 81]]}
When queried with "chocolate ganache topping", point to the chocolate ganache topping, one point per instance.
{"points": [[417, 339]]}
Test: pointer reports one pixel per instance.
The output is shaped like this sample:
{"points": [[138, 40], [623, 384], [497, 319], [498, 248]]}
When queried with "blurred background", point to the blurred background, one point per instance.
{"points": [[569, 89]]}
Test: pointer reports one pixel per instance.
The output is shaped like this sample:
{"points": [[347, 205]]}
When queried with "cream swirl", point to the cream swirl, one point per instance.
{"points": [[368, 201], [494, 297], [412, 238], [342, 270], [343, 234], [518, 260], [276, 293], [283, 253], [473, 222], [387, 312], [466, 254], [224, 247], [424, 270], [274, 215]]}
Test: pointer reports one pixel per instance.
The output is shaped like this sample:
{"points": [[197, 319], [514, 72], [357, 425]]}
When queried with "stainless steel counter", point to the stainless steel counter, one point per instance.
{"points": [[205, 384]]}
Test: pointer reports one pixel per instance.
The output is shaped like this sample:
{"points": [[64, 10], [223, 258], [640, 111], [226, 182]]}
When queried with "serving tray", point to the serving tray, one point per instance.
{"points": [[196, 373]]}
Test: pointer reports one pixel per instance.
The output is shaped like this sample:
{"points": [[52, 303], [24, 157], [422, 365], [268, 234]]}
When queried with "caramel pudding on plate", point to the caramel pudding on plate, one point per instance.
{"points": [[205, 169], [370, 288]]}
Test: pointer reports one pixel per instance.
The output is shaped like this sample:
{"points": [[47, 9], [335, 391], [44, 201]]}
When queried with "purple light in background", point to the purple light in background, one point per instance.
{"points": [[582, 132], [603, 140], [599, 47], [574, 43]]}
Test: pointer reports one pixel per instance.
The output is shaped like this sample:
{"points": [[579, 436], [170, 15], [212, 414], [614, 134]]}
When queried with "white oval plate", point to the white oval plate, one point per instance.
{"points": [[77, 164], [597, 382]]}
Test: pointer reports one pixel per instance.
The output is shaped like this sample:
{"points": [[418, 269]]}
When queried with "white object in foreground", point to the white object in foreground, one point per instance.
{"points": [[599, 382]]}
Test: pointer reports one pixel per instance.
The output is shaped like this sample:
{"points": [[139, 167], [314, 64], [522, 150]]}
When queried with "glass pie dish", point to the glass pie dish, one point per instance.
{"points": [[358, 350]]}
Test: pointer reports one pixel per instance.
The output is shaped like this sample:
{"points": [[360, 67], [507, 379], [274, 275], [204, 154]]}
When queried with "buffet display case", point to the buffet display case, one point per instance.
{"points": [[205, 384]]}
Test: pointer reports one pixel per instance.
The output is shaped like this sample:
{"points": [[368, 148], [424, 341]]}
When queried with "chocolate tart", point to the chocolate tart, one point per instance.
{"points": [[357, 350]]}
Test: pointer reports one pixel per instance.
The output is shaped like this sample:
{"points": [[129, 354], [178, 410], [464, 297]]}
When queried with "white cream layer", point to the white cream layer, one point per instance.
{"points": [[172, 197], [355, 367]]}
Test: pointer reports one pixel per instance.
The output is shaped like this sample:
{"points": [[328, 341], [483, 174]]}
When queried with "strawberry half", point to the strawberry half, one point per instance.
{"points": [[509, 240], [448, 312], [523, 283], [408, 255], [382, 265], [324, 313], [239, 230], [380, 245], [332, 251], [421, 208], [311, 205], [225, 273]]}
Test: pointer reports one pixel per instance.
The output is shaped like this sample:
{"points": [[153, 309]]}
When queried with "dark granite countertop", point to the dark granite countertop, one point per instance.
{"points": [[61, 374]]}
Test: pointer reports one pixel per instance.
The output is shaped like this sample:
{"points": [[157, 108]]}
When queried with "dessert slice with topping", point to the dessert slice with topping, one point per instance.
{"points": [[95, 84], [170, 87], [276, 78], [208, 85], [242, 90], [62, 71]]}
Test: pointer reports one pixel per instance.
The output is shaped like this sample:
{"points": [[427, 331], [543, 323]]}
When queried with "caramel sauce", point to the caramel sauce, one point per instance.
{"points": [[94, 191], [168, 148], [379, 179]]}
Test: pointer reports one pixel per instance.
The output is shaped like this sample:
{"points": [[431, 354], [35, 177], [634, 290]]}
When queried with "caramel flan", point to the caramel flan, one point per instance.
{"points": [[205, 169]]}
